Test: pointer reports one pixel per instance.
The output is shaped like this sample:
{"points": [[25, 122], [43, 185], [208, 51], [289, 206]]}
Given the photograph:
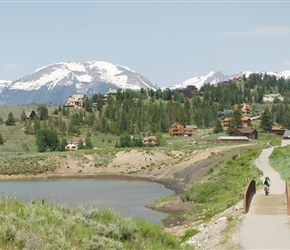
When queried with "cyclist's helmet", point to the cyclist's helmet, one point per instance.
{"points": [[267, 178]]}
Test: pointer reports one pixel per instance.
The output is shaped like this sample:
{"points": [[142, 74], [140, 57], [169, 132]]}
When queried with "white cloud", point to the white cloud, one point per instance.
{"points": [[263, 31]]}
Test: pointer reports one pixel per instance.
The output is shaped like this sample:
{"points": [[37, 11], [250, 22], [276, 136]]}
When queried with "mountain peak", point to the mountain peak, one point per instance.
{"points": [[53, 83]]}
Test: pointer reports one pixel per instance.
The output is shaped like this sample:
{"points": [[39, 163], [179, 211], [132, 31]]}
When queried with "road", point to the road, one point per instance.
{"points": [[266, 225]]}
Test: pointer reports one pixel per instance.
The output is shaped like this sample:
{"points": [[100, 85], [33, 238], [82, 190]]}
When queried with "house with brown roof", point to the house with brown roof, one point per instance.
{"points": [[177, 129], [239, 78], [76, 140], [73, 145], [30, 114], [249, 132], [278, 130], [150, 141], [246, 121], [187, 91], [77, 101], [226, 121], [190, 130]]}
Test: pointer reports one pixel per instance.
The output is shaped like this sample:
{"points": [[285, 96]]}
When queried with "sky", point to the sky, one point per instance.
{"points": [[168, 42]]}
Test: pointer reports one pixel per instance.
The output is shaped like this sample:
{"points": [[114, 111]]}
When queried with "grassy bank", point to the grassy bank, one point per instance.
{"points": [[280, 161], [38, 225], [224, 184]]}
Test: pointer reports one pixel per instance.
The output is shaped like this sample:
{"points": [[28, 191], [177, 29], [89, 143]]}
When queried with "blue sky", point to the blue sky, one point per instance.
{"points": [[166, 41]]}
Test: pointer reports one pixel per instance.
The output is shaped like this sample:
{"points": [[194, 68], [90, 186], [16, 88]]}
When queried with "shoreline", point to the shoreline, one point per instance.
{"points": [[171, 184]]}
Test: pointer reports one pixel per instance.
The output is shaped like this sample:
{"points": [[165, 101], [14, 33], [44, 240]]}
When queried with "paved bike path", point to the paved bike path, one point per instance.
{"points": [[266, 230]]}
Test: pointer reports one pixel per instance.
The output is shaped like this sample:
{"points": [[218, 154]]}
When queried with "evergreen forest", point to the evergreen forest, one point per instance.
{"points": [[150, 112]]}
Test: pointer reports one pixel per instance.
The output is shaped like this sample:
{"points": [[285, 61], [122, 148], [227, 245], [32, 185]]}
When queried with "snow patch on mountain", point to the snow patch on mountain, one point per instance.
{"points": [[49, 79], [4, 84], [70, 73], [211, 78], [214, 78], [285, 74]]}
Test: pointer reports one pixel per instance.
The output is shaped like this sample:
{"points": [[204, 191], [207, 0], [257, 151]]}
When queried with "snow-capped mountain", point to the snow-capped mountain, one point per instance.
{"points": [[198, 81], [54, 83], [214, 78]]}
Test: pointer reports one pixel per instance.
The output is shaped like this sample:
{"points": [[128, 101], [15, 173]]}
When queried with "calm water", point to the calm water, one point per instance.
{"points": [[127, 198]]}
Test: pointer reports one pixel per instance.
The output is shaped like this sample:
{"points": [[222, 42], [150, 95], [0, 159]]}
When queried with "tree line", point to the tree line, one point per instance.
{"points": [[149, 112]]}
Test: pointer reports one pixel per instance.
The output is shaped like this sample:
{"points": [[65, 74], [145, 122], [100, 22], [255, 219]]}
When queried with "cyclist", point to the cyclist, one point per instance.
{"points": [[267, 184]]}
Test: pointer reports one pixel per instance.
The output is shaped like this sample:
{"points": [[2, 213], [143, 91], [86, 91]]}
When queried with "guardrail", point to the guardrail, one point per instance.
{"points": [[287, 197], [248, 195]]}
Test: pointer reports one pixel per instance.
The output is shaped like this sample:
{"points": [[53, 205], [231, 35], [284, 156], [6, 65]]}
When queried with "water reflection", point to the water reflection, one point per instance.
{"points": [[128, 198]]}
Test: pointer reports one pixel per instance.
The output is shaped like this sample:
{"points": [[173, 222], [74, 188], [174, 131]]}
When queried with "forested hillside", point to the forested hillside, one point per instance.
{"points": [[156, 111], [148, 112]]}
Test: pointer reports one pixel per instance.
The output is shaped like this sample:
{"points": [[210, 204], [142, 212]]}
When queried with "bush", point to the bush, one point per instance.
{"points": [[189, 233], [46, 140]]}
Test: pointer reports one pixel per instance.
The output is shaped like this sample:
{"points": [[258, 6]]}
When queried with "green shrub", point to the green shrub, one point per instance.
{"points": [[188, 234], [40, 225]]}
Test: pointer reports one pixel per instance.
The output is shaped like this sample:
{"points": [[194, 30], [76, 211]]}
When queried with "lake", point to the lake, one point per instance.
{"points": [[127, 198]]}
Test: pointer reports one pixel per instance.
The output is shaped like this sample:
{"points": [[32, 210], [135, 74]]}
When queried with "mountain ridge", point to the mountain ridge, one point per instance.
{"points": [[54, 82]]}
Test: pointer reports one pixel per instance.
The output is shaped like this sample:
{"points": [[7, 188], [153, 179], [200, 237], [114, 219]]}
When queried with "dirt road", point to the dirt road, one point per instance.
{"points": [[267, 225]]}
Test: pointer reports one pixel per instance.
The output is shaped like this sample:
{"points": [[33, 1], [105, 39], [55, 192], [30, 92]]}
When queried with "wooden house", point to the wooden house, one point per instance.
{"points": [[246, 122], [190, 130], [238, 78], [249, 132], [150, 141], [226, 121], [177, 129], [71, 147], [245, 108], [185, 92], [30, 114], [278, 130], [77, 101], [76, 140]]}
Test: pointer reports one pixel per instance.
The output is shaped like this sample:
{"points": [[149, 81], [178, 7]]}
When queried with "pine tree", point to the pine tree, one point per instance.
{"points": [[43, 112], [10, 120], [80, 144], [218, 127], [235, 122], [62, 145], [237, 118], [89, 144], [266, 120]]}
